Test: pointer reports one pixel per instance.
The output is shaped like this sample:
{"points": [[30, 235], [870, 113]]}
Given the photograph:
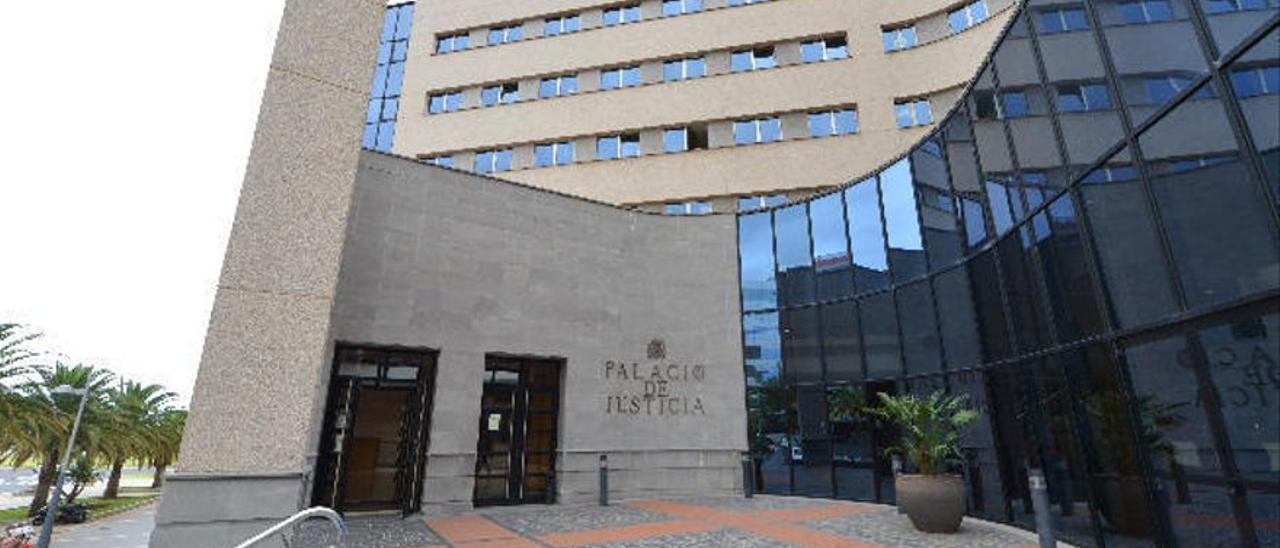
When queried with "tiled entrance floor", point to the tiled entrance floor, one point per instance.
{"points": [[764, 522]]}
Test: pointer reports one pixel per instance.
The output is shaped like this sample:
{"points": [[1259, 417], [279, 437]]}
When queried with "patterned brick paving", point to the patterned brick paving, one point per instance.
{"points": [[762, 522]]}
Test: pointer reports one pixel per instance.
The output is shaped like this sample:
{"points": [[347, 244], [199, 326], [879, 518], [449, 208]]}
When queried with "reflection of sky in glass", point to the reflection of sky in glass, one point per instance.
{"points": [[900, 207], [829, 243], [998, 198], [864, 226], [388, 75], [755, 238], [792, 227]]}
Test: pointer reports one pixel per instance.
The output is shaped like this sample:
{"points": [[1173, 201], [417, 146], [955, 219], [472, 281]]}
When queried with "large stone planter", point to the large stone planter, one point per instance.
{"points": [[935, 504]]}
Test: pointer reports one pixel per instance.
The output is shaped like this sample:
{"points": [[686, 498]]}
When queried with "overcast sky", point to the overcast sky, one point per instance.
{"points": [[124, 130]]}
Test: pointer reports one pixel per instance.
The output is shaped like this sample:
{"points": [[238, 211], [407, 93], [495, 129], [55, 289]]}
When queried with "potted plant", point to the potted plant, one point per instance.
{"points": [[931, 428], [1123, 495]]}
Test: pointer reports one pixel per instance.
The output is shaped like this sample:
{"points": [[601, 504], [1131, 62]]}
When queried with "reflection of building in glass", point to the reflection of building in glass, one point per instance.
{"points": [[1088, 249], [1086, 245]]}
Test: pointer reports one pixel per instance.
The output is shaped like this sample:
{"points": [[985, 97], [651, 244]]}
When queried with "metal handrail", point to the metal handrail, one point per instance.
{"points": [[316, 511]]}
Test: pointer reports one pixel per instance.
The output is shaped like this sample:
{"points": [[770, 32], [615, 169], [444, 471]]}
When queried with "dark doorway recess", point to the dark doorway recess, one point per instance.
{"points": [[373, 450], [519, 418]]}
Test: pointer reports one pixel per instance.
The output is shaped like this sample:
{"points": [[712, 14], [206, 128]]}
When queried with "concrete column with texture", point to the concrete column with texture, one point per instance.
{"points": [[266, 348]]}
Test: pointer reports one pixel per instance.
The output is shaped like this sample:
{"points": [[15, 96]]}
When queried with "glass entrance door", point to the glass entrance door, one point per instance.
{"points": [[374, 444], [519, 414]]}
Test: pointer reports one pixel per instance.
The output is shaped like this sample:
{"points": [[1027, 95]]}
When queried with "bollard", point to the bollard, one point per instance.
{"points": [[748, 478], [1044, 512], [896, 466], [604, 480]]}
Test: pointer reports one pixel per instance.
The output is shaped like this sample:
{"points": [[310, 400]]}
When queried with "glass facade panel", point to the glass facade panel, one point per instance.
{"points": [[921, 347], [1169, 379], [769, 438], [1255, 72], [902, 223], [763, 348], [831, 248], [1231, 21], [1166, 434], [1130, 260], [801, 354], [811, 465], [1216, 217], [755, 247], [841, 342], [939, 210], [880, 336], [866, 232], [795, 261]]}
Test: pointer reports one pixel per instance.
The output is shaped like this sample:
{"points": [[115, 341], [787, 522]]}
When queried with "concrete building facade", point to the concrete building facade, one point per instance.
{"points": [[1085, 245], [777, 60]]}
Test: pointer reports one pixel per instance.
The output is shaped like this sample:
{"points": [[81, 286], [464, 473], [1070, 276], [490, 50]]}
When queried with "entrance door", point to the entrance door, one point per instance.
{"points": [[519, 414], [373, 449]]}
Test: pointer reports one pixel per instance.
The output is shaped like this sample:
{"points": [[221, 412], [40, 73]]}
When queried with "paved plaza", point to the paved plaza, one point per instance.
{"points": [[762, 522]]}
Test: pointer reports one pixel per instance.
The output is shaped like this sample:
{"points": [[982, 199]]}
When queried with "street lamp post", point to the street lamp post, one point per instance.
{"points": [[46, 528]]}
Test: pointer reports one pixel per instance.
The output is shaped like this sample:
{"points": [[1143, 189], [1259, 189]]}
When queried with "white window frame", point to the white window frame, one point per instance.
{"points": [[899, 40], [443, 160], [501, 94], [1146, 13], [830, 116], [684, 67], [1078, 88], [620, 71], [444, 101], [761, 201], [493, 159], [688, 207], [915, 111], [622, 14], [452, 40], [684, 7], [756, 61], [559, 80], [826, 49], [506, 33], [560, 22], [758, 125], [971, 20], [618, 148], [1061, 13], [556, 147]]}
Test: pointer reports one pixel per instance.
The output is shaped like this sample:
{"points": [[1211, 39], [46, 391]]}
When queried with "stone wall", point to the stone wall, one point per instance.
{"points": [[470, 266]]}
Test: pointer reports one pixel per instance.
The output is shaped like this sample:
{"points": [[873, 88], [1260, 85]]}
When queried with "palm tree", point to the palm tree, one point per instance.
{"points": [[16, 411], [136, 410], [44, 440], [168, 437]]}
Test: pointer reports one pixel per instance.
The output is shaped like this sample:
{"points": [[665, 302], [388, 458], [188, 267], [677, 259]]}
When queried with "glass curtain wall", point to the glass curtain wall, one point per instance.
{"points": [[388, 78], [1086, 247]]}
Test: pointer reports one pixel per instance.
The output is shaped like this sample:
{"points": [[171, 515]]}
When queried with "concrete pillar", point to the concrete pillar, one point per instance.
{"points": [[266, 354]]}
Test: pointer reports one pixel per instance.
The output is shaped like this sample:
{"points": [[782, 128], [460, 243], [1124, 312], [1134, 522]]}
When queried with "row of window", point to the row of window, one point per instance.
{"points": [[825, 123], [1092, 96], [572, 22], [811, 51], [958, 20], [1072, 17], [745, 203]]}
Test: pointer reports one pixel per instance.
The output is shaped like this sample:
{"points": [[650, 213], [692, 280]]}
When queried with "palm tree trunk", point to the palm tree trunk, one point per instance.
{"points": [[44, 480], [113, 481], [157, 481]]}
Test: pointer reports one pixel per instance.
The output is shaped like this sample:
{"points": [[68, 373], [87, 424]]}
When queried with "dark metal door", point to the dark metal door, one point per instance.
{"points": [[519, 414]]}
